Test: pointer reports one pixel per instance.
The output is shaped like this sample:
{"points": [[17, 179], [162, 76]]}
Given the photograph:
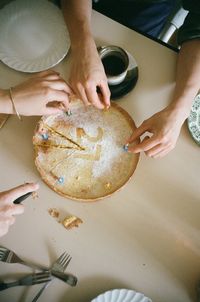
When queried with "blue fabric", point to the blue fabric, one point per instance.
{"points": [[148, 18]]}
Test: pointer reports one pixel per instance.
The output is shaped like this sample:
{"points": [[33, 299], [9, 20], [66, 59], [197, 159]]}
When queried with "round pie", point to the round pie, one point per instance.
{"points": [[82, 156]]}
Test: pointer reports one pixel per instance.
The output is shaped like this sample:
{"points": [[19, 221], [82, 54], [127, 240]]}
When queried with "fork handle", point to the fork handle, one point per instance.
{"points": [[67, 278], [8, 285]]}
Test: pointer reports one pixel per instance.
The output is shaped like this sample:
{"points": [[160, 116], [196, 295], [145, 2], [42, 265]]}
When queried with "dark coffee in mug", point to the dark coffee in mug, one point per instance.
{"points": [[113, 64], [115, 61]]}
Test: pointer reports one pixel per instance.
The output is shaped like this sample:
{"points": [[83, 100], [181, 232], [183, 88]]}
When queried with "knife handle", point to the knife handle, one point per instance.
{"points": [[21, 198]]}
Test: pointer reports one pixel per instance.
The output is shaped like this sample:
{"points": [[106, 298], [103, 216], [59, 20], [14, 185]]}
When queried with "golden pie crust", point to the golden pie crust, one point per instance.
{"points": [[81, 156]]}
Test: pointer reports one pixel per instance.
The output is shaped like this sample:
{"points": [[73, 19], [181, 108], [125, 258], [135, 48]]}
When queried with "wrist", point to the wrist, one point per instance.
{"points": [[180, 109], [82, 39]]}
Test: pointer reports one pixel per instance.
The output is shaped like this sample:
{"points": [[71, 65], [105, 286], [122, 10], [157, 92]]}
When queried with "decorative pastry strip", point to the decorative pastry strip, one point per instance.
{"points": [[81, 132], [63, 136], [44, 145]]}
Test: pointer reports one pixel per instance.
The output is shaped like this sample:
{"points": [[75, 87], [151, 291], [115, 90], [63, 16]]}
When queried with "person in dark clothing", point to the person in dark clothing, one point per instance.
{"points": [[148, 17], [87, 72]]}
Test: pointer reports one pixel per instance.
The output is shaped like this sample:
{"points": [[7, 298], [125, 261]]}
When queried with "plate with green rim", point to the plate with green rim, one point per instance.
{"points": [[193, 120]]}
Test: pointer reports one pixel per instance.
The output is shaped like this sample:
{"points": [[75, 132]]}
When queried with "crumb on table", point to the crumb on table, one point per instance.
{"points": [[54, 212], [34, 195], [71, 221]]}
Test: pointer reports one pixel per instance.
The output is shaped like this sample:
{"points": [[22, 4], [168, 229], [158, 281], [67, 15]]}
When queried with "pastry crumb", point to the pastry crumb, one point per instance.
{"points": [[34, 195], [54, 212], [71, 221]]}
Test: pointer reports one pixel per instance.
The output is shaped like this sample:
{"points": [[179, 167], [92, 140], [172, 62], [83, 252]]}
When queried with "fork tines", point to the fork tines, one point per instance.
{"points": [[65, 260]]}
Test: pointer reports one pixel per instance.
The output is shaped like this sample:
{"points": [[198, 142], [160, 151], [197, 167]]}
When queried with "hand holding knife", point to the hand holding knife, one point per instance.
{"points": [[22, 198]]}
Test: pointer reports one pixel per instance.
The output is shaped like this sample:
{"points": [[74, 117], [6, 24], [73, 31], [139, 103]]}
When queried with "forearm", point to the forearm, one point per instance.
{"points": [[187, 78], [5, 102], [77, 15]]}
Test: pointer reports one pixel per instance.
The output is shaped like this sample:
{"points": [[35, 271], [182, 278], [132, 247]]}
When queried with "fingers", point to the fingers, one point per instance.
{"points": [[47, 73], [147, 144], [11, 209], [5, 223], [53, 110], [6, 217], [12, 194], [159, 151], [137, 133], [57, 99], [58, 84], [8, 209], [93, 97], [81, 94], [87, 92], [53, 80], [105, 93]]}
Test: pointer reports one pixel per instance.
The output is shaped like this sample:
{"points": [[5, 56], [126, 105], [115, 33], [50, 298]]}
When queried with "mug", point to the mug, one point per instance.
{"points": [[115, 61]]}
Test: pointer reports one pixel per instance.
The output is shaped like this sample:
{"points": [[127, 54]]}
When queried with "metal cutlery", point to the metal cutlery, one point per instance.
{"points": [[59, 265], [9, 256], [67, 278], [21, 198], [28, 280]]}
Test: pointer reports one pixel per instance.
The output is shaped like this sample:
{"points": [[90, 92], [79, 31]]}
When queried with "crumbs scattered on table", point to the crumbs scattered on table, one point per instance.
{"points": [[54, 212], [71, 221], [68, 222], [34, 195]]}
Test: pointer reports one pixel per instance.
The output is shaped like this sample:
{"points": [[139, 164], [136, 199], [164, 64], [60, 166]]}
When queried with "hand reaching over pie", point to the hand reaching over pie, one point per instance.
{"points": [[44, 94], [162, 131], [87, 77]]}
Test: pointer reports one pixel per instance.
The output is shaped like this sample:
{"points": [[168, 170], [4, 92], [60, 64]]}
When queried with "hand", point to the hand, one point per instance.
{"points": [[164, 128], [8, 209], [87, 74], [46, 93]]}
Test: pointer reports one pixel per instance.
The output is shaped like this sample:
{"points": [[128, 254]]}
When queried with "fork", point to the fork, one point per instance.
{"points": [[9, 256], [28, 280], [59, 265]]}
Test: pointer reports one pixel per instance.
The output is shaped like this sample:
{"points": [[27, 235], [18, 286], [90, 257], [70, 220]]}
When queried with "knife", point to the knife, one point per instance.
{"points": [[21, 198]]}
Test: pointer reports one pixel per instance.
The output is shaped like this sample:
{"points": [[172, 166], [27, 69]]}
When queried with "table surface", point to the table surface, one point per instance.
{"points": [[145, 237]]}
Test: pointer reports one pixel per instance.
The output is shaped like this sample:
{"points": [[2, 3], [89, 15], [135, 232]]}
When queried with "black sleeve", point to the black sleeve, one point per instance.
{"points": [[191, 26]]}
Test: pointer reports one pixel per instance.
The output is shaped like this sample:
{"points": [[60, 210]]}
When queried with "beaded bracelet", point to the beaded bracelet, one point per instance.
{"points": [[13, 104]]}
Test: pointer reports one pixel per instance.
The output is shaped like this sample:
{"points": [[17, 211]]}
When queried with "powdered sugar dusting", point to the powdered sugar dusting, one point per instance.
{"points": [[115, 132]]}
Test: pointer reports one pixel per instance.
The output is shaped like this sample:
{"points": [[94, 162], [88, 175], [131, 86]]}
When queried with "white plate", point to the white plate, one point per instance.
{"points": [[33, 35], [121, 295], [194, 120]]}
